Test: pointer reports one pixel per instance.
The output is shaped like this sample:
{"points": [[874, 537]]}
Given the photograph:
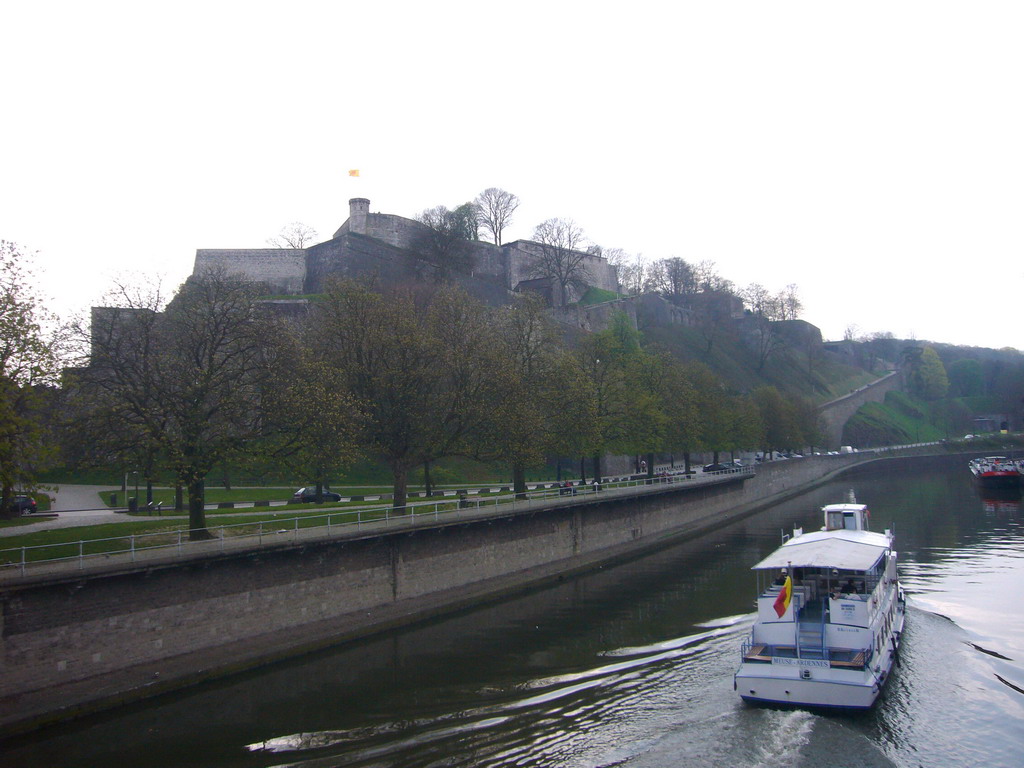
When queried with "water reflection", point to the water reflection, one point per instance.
{"points": [[1004, 502], [629, 665]]}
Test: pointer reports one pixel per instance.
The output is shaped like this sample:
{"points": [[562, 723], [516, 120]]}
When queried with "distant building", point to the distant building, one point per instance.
{"points": [[384, 245]]}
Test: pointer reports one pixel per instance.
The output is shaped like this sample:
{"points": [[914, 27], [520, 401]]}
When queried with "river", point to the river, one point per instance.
{"points": [[630, 665]]}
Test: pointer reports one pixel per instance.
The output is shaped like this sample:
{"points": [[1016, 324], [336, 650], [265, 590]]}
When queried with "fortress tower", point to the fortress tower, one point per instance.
{"points": [[358, 210]]}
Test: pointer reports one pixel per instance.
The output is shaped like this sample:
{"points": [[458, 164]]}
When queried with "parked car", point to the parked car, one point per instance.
{"points": [[308, 494], [722, 465], [716, 467], [23, 505]]}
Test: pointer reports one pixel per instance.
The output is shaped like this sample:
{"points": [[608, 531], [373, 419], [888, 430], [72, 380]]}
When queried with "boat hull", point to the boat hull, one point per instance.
{"points": [[806, 683], [998, 480], [778, 691]]}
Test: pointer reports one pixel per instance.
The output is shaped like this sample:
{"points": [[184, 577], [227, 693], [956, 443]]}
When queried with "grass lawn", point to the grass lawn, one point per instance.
{"points": [[165, 496], [111, 538]]}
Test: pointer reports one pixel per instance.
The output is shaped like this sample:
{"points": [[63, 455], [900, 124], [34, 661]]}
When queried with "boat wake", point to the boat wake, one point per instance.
{"points": [[552, 720], [788, 732]]}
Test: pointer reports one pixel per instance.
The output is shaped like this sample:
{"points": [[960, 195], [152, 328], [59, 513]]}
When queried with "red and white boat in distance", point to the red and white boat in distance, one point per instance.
{"points": [[996, 471]]}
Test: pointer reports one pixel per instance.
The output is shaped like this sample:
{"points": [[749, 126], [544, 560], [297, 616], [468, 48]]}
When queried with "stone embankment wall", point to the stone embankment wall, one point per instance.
{"points": [[84, 641]]}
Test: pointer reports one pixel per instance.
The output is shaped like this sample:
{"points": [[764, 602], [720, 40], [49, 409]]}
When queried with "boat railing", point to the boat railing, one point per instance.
{"points": [[766, 653]]}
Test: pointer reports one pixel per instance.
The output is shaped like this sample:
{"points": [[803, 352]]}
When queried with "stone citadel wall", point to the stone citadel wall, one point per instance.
{"points": [[298, 271]]}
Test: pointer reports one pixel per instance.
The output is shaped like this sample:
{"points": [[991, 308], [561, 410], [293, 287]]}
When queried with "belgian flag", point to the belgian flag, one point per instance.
{"points": [[785, 595]]}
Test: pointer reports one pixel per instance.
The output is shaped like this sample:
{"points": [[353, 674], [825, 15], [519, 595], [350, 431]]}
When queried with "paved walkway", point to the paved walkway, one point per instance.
{"points": [[75, 505]]}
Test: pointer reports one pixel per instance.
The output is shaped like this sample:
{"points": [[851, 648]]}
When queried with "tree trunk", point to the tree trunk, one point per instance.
{"points": [[196, 510], [597, 467], [583, 469], [428, 485], [149, 491], [179, 499], [400, 486], [7, 500], [650, 464], [686, 461], [519, 480]]}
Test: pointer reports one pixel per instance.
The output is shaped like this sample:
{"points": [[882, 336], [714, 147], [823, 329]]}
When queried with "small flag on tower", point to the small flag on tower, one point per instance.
{"points": [[353, 173]]}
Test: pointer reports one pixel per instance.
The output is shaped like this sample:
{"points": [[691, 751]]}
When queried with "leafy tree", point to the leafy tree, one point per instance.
{"points": [[625, 383], [445, 242], [543, 405], [927, 376], [494, 209], [312, 421], [28, 362], [713, 432], [781, 427], [560, 256], [966, 378], [744, 425], [294, 235], [418, 364]]}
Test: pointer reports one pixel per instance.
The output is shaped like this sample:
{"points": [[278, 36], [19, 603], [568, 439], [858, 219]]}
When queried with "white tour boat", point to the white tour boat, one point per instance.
{"points": [[828, 635]]}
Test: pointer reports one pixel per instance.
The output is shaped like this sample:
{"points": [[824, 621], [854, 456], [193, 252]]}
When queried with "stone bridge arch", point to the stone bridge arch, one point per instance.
{"points": [[835, 413]]}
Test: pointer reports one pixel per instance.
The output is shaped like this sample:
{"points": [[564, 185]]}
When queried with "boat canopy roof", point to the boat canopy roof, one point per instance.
{"points": [[848, 550]]}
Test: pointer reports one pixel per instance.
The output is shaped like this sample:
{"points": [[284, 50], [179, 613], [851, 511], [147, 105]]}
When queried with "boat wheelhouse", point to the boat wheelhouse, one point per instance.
{"points": [[828, 634]]}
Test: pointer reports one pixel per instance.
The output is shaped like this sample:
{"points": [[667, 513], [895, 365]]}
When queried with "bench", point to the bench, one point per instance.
{"points": [[857, 661]]}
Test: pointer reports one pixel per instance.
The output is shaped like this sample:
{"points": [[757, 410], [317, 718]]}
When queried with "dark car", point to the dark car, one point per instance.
{"points": [[308, 494], [23, 505], [722, 466]]}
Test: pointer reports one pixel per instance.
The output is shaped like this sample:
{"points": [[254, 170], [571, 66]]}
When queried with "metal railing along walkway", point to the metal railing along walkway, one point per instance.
{"points": [[18, 563]]}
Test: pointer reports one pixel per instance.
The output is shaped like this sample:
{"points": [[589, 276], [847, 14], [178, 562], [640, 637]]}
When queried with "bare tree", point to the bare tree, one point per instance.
{"points": [[633, 271], [187, 381], [494, 209], [672, 278], [707, 278], [790, 302], [294, 235], [766, 308], [560, 256]]}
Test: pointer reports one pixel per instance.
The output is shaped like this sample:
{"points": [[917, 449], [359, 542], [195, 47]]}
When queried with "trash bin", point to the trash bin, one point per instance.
{"points": [[133, 505], [113, 499]]}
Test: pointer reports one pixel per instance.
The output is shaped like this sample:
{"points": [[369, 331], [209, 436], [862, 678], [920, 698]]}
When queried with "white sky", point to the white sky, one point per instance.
{"points": [[871, 153]]}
